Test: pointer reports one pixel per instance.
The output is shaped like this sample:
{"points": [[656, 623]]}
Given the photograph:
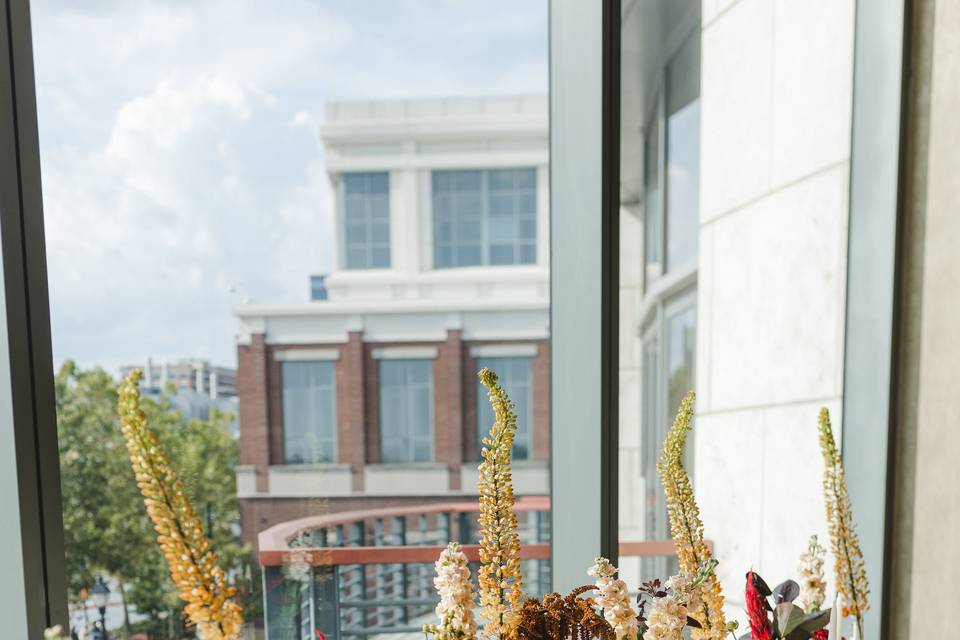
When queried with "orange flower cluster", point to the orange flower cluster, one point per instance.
{"points": [[560, 617], [193, 565]]}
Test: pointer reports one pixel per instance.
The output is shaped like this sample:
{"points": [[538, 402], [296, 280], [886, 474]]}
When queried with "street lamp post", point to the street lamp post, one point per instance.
{"points": [[100, 595]]}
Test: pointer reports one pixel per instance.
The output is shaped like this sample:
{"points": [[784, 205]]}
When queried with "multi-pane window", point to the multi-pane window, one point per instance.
{"points": [[672, 167], [484, 217], [309, 412], [514, 375], [366, 218], [406, 410]]}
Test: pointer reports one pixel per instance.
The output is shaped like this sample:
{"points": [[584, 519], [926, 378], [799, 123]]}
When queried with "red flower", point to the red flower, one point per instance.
{"points": [[320, 635], [757, 611], [822, 634]]}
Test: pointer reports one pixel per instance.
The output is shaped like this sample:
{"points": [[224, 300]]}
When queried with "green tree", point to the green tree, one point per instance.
{"points": [[106, 527]]}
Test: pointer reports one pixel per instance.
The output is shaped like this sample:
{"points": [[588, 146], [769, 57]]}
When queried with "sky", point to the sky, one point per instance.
{"points": [[182, 170]]}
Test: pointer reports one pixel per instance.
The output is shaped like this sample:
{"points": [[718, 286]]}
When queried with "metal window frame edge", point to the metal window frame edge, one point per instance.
{"points": [[28, 325], [584, 64], [877, 148]]}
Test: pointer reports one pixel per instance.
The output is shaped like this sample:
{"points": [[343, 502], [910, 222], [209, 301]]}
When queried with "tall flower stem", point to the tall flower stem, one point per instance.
{"points": [[848, 563], [686, 527], [194, 566], [499, 578]]}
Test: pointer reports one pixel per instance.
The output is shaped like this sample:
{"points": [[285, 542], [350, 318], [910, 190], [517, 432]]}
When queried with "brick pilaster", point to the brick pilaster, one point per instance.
{"points": [[448, 406], [352, 407], [253, 408]]}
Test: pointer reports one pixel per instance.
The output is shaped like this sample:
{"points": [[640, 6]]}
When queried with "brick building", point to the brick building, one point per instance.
{"points": [[368, 398]]}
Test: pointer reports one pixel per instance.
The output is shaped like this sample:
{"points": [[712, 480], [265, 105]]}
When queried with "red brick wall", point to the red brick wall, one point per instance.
{"points": [[358, 431], [252, 410], [448, 406], [351, 408]]}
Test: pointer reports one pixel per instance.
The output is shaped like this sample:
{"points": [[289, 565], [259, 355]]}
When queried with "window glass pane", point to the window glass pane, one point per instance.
{"points": [[732, 218], [659, 225], [406, 410], [258, 220], [683, 154], [484, 210], [652, 234], [366, 214], [514, 375], [309, 416], [681, 337]]}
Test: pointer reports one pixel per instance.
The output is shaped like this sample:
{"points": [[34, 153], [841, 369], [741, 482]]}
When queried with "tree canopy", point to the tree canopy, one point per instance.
{"points": [[107, 531]]}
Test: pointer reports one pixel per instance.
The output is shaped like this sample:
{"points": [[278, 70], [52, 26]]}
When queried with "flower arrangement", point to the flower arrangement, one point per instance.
{"points": [[692, 599], [194, 565]]}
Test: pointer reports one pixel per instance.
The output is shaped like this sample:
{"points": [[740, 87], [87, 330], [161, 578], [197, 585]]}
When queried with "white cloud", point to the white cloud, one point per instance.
{"points": [[181, 164]]}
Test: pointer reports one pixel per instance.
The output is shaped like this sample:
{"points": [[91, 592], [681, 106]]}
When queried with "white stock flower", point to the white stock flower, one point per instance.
{"points": [[813, 586], [614, 599], [666, 620], [455, 609], [684, 590]]}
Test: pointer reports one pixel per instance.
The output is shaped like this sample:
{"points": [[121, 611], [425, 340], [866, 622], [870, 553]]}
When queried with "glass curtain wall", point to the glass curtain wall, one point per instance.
{"points": [[659, 230], [307, 250]]}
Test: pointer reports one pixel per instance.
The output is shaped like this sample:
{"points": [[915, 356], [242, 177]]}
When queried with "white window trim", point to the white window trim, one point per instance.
{"points": [[324, 355], [529, 350], [406, 353]]}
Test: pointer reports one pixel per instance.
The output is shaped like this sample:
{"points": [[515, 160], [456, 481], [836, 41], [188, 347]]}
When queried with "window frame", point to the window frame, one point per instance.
{"points": [[584, 76], [35, 584], [486, 246], [411, 435], [334, 452], [658, 114], [343, 239]]}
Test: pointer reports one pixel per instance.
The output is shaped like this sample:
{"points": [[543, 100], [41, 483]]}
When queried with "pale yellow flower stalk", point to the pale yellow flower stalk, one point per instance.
{"points": [[501, 585], [193, 565], [686, 527], [848, 564]]}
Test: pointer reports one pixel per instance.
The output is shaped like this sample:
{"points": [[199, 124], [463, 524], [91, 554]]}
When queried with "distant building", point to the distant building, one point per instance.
{"points": [[194, 374], [367, 396], [198, 387]]}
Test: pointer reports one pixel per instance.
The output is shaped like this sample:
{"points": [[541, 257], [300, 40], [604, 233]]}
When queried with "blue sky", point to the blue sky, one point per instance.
{"points": [[181, 166]]}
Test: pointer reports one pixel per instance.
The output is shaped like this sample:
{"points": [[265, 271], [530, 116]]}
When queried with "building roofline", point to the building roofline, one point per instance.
{"points": [[381, 307]]}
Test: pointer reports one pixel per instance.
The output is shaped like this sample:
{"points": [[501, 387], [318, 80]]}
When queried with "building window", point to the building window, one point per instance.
{"points": [[667, 373], [484, 217], [366, 216], [514, 375], [309, 412], [671, 175], [406, 410]]}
